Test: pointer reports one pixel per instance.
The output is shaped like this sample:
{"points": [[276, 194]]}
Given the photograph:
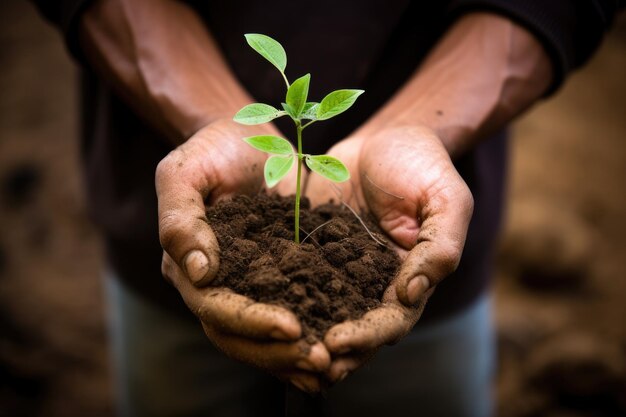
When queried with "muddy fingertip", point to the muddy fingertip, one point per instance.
{"points": [[337, 372], [319, 357], [416, 288], [200, 268], [287, 327], [337, 340], [305, 383], [413, 290], [196, 266], [286, 333]]}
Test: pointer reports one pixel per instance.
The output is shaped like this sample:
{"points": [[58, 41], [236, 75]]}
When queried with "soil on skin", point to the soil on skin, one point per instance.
{"points": [[338, 273]]}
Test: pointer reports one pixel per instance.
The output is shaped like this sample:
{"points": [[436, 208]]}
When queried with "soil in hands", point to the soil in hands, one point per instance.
{"points": [[338, 273]]}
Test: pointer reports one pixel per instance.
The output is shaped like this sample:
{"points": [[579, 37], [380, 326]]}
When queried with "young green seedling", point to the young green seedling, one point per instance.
{"points": [[296, 106]]}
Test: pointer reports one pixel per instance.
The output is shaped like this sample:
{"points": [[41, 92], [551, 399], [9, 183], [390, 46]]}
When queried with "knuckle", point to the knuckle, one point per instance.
{"points": [[468, 199], [166, 272], [167, 164], [447, 255], [459, 194], [200, 312], [165, 267], [170, 226]]}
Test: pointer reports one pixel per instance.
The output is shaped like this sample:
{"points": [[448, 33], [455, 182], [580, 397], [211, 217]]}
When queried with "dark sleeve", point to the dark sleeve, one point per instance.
{"points": [[64, 15], [570, 30]]}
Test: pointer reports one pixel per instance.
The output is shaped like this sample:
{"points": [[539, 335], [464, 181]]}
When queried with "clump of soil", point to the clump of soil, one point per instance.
{"points": [[338, 273]]}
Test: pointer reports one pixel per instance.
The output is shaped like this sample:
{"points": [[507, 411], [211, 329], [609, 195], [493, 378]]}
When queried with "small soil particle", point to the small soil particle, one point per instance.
{"points": [[339, 272]]}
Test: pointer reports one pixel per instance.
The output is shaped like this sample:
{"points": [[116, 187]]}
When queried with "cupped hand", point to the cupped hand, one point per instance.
{"points": [[212, 165], [405, 178]]}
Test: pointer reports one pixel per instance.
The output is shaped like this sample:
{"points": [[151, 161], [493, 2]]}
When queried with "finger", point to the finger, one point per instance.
{"points": [[231, 312], [343, 366], [321, 191], [274, 356], [440, 241], [383, 325], [182, 185], [305, 381]]}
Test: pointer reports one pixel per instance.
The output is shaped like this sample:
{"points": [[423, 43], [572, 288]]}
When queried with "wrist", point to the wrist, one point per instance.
{"points": [[135, 46], [225, 128], [485, 71], [399, 130], [425, 117], [191, 116]]}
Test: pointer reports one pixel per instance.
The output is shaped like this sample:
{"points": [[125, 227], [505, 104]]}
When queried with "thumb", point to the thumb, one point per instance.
{"points": [[440, 242], [184, 231]]}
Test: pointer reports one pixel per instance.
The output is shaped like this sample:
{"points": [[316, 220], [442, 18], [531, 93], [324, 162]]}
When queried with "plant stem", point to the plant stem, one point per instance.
{"points": [[297, 206], [285, 78], [308, 124]]}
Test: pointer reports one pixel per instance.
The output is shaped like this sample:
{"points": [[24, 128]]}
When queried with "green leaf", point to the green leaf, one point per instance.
{"points": [[276, 167], [270, 144], [289, 110], [269, 49], [309, 111], [328, 167], [254, 114], [337, 102], [297, 94]]}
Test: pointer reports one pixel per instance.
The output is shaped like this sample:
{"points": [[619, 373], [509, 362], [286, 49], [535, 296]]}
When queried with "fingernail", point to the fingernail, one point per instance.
{"points": [[343, 376], [196, 265], [305, 365], [416, 288], [299, 385], [341, 350], [279, 334]]}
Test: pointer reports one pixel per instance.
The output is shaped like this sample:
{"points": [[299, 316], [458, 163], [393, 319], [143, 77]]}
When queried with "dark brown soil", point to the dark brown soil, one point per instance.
{"points": [[338, 273]]}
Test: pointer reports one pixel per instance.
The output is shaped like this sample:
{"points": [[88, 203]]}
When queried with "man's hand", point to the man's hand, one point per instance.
{"points": [[216, 164], [483, 72], [406, 179]]}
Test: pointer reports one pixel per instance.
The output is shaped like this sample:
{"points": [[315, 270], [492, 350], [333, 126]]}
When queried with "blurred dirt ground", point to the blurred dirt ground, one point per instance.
{"points": [[52, 344], [560, 291]]}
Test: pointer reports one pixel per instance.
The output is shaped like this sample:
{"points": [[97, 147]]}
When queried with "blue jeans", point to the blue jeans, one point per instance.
{"points": [[165, 366]]}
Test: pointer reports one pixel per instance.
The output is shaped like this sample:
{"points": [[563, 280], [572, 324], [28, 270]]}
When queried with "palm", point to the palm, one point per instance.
{"points": [[405, 178], [217, 149], [395, 175], [212, 165], [405, 174]]}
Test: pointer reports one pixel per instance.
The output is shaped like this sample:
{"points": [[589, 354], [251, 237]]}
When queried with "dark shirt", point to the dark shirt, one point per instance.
{"points": [[374, 46]]}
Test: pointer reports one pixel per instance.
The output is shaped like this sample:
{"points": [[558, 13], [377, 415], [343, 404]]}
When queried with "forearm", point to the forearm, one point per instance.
{"points": [[162, 60], [483, 72]]}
